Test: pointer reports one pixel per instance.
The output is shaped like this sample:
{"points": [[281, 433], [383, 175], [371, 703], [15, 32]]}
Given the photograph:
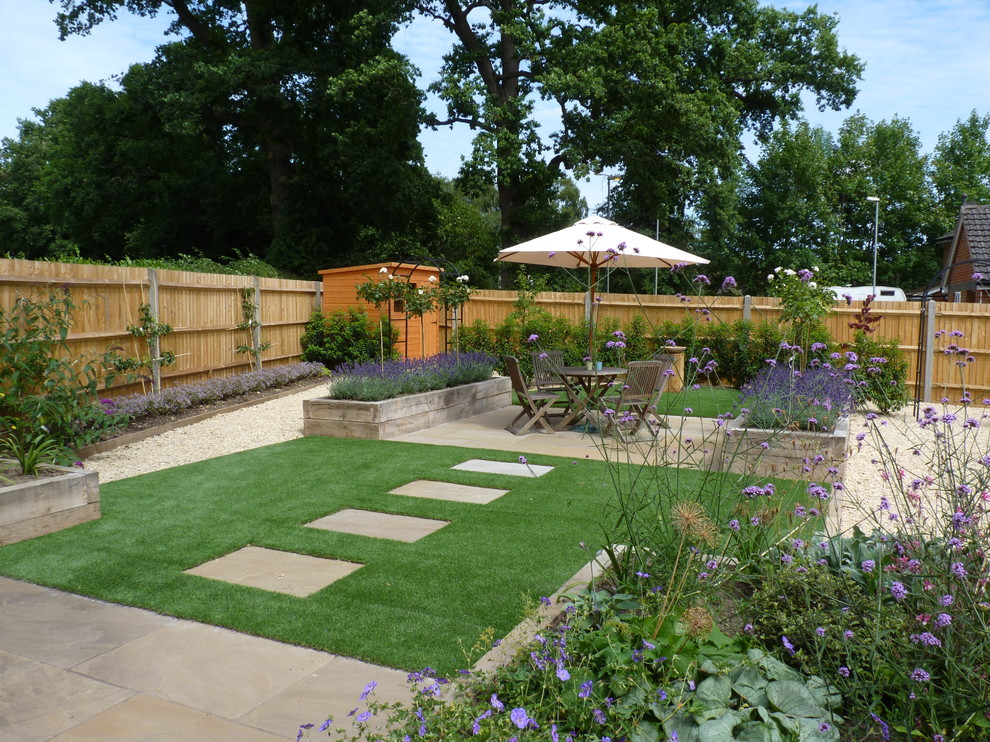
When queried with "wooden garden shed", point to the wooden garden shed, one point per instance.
{"points": [[339, 293]]}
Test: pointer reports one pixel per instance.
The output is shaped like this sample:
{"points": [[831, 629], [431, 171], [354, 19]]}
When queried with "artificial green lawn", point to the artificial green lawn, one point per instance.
{"points": [[410, 606], [708, 401]]}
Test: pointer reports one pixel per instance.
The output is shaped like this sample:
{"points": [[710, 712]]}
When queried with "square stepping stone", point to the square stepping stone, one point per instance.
{"points": [[504, 467], [278, 571], [448, 491], [378, 525]]}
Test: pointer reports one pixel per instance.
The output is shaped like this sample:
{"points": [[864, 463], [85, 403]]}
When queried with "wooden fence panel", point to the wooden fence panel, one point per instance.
{"points": [[203, 309], [899, 320]]}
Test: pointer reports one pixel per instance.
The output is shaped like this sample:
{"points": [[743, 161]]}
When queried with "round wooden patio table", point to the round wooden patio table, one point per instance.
{"points": [[585, 389]]}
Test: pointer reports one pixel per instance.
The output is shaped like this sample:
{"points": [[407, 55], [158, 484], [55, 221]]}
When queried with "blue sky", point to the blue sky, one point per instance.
{"points": [[926, 60]]}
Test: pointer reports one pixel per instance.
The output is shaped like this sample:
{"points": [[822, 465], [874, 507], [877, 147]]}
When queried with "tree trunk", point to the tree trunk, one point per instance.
{"points": [[268, 103]]}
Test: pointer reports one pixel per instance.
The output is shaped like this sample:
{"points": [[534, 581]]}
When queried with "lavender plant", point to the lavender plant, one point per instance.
{"points": [[175, 399], [371, 382], [785, 398], [896, 612]]}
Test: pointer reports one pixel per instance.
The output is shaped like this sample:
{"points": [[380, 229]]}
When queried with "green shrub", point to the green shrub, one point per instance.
{"points": [[881, 379], [44, 391], [346, 336], [730, 346]]}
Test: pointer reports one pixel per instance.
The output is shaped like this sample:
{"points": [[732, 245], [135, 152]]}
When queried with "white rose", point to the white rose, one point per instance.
{"points": [[814, 269], [813, 284], [778, 269], [770, 277], [789, 272], [383, 269], [433, 279]]}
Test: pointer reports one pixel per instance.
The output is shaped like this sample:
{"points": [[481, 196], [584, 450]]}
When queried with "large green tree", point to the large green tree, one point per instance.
{"points": [[961, 167], [804, 203], [660, 90], [313, 94], [98, 174]]}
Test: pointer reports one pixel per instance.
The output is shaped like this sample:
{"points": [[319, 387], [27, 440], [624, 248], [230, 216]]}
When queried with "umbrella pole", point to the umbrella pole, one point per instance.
{"points": [[591, 310]]}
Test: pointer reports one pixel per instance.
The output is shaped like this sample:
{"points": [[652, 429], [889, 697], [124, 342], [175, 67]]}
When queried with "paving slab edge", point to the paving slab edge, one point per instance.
{"points": [[137, 437]]}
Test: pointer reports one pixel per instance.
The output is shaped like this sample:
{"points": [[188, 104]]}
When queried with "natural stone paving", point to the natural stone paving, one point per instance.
{"points": [[278, 571], [146, 719], [378, 525], [63, 630], [27, 688], [503, 467], [130, 674], [318, 696], [205, 667], [449, 491]]}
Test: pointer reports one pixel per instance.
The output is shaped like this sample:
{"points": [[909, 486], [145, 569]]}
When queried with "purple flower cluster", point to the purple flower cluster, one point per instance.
{"points": [[779, 397], [182, 397], [373, 381]]}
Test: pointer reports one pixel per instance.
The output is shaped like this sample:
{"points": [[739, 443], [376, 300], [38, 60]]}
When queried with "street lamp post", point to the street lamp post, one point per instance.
{"points": [[876, 225]]}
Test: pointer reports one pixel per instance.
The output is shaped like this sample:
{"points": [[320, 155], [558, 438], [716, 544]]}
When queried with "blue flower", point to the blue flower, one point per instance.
{"points": [[368, 689], [787, 645], [585, 689], [519, 718], [884, 729]]}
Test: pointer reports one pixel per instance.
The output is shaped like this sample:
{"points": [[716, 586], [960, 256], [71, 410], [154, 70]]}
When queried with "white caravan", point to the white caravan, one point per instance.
{"points": [[859, 293]]}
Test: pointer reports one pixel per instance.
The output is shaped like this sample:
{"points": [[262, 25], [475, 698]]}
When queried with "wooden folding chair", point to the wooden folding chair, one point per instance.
{"points": [[545, 376], [535, 405], [644, 383]]}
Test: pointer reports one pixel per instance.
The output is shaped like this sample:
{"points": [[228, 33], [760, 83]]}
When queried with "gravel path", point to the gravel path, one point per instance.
{"points": [[269, 422]]}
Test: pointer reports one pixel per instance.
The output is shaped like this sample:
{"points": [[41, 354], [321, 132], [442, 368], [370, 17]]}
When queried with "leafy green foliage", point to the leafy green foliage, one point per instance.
{"points": [[599, 674], [804, 203], [249, 311], [960, 167], [346, 336], [641, 90], [250, 125], [881, 379], [30, 450], [43, 390]]}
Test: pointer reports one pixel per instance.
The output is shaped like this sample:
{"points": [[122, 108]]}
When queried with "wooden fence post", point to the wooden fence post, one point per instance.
{"points": [[929, 360], [747, 307], [256, 327], [154, 347]]}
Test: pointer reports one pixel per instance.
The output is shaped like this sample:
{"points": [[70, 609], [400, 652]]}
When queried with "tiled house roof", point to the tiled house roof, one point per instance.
{"points": [[967, 252], [976, 222]]}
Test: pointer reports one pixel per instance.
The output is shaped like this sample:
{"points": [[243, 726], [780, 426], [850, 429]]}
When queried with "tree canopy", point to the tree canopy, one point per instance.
{"points": [[804, 203], [660, 90], [288, 130]]}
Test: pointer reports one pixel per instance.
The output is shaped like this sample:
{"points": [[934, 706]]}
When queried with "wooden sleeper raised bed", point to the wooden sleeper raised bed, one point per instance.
{"points": [[344, 418], [48, 504]]}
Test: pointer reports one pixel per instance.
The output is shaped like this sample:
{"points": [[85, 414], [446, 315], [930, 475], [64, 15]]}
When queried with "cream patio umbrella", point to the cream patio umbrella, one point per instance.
{"points": [[593, 243]]}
